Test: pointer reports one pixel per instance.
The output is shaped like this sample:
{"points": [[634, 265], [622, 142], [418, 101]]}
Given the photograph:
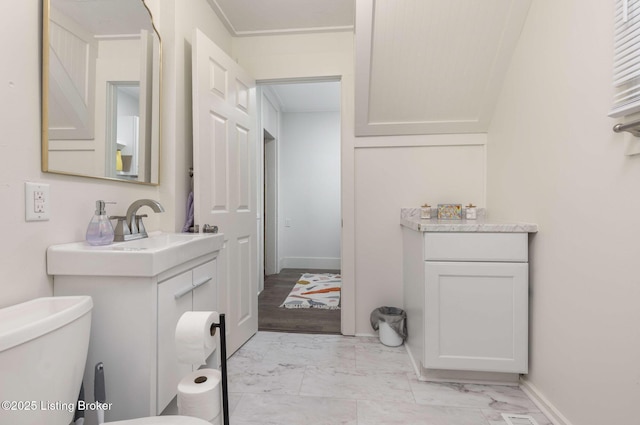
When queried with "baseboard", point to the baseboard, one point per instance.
{"points": [[327, 263], [549, 410], [415, 363], [469, 377]]}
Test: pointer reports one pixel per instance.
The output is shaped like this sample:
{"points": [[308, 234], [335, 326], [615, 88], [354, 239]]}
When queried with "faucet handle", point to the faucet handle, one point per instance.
{"points": [[121, 227], [139, 224]]}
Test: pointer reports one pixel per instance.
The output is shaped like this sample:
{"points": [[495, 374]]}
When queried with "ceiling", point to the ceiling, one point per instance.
{"points": [[268, 17], [241, 17], [308, 97], [106, 18]]}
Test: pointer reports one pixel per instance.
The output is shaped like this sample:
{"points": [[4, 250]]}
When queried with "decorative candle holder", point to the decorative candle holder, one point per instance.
{"points": [[471, 212], [425, 211]]}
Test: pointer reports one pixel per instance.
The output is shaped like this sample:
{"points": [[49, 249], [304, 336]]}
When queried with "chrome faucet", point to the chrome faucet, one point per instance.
{"points": [[130, 226]]}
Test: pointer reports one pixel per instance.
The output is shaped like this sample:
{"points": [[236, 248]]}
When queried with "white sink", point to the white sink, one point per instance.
{"points": [[142, 257]]}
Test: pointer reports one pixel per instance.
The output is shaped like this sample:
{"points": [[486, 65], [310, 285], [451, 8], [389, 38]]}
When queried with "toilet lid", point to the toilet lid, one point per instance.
{"points": [[162, 420]]}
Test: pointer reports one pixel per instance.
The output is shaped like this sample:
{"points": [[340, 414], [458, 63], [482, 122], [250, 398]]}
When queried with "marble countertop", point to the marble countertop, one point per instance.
{"points": [[410, 217]]}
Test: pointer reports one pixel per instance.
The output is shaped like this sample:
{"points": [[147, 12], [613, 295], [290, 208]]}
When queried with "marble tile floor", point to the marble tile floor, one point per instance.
{"points": [[311, 379]]}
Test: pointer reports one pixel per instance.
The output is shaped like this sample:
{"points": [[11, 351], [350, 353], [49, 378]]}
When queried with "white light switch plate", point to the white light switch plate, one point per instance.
{"points": [[37, 203]]}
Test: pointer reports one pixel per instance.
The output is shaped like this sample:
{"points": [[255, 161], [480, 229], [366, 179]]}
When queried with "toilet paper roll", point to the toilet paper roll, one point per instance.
{"points": [[194, 342], [199, 394]]}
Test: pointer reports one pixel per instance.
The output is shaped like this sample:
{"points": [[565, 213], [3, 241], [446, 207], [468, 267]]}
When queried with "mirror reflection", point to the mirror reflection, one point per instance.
{"points": [[101, 90]]}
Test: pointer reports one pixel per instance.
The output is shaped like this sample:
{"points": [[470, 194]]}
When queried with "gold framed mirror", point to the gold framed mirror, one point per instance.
{"points": [[101, 100]]}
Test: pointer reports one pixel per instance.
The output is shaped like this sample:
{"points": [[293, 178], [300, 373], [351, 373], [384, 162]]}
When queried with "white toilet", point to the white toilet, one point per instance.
{"points": [[43, 350]]}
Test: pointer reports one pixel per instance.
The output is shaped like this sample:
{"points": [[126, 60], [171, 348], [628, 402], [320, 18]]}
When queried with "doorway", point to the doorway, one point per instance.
{"points": [[123, 129], [301, 226]]}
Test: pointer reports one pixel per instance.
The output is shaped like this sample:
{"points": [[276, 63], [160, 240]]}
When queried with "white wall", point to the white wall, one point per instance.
{"points": [[389, 178], [309, 190], [553, 160]]}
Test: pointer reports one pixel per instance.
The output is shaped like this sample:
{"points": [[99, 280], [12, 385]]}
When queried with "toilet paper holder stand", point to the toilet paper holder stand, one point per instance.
{"points": [[223, 365]]}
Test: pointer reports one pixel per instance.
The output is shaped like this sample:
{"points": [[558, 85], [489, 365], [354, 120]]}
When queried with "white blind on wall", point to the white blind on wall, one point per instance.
{"points": [[626, 65]]}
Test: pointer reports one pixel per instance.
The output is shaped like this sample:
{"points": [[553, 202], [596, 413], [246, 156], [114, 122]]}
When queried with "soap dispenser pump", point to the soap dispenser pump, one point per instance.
{"points": [[100, 230]]}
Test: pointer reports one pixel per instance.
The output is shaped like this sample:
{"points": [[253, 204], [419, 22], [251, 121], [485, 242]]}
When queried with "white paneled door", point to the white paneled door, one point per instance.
{"points": [[224, 148]]}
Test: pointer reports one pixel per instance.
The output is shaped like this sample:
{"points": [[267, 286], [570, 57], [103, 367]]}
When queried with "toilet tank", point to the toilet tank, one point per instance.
{"points": [[43, 350]]}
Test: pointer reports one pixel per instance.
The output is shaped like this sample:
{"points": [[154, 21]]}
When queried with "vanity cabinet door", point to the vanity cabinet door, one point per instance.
{"points": [[476, 316], [174, 299], [193, 290]]}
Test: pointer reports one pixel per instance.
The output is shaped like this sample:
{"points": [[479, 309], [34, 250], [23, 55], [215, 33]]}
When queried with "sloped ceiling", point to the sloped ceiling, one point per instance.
{"points": [[432, 66]]}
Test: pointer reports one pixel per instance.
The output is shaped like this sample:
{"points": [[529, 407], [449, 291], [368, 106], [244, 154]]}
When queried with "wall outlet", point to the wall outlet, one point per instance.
{"points": [[37, 202]]}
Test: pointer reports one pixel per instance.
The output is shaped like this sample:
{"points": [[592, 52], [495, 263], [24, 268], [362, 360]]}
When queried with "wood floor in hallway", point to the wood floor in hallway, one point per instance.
{"points": [[271, 317]]}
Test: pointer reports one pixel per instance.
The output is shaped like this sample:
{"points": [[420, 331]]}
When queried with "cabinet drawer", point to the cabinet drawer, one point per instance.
{"points": [[511, 247], [205, 293]]}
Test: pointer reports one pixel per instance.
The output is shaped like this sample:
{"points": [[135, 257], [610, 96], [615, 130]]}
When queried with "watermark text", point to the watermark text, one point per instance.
{"points": [[39, 405]]}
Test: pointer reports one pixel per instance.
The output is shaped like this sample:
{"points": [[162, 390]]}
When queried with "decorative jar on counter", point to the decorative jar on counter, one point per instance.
{"points": [[471, 212], [425, 211]]}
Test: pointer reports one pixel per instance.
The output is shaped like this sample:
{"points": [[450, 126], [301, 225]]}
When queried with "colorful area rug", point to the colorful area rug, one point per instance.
{"points": [[315, 291]]}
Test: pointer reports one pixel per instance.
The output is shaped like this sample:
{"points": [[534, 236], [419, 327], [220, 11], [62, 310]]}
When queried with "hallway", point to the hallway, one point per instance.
{"points": [[308, 320]]}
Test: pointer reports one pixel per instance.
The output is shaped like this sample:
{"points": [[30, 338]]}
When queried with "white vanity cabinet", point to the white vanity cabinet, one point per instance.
{"points": [[132, 331], [466, 297], [193, 290]]}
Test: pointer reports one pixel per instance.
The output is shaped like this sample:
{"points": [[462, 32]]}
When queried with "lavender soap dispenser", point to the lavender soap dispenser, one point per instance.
{"points": [[100, 230]]}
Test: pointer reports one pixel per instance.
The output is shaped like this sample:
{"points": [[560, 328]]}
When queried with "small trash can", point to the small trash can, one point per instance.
{"points": [[391, 323]]}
